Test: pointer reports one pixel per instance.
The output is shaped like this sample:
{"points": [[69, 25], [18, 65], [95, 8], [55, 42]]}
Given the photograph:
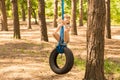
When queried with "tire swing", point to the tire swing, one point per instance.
{"points": [[58, 53]]}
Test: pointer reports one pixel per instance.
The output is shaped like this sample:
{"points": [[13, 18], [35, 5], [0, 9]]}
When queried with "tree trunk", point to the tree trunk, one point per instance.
{"points": [[55, 12], [108, 22], [81, 13], [23, 11], [73, 20], [3, 15], [95, 40], [29, 14], [34, 15], [15, 19], [42, 20]]}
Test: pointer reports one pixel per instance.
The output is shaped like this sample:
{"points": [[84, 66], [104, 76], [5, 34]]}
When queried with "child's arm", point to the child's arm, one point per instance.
{"points": [[59, 26]]}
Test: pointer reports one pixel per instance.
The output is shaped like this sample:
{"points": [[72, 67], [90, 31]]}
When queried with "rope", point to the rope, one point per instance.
{"points": [[62, 28], [61, 45], [62, 4]]}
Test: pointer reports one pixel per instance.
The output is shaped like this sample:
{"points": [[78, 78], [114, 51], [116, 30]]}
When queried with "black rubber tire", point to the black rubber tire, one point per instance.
{"points": [[68, 64]]}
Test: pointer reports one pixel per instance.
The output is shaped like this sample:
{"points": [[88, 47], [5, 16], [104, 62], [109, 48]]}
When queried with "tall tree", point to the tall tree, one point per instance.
{"points": [[81, 13], [95, 40], [34, 15], [15, 19], [29, 14], [55, 12], [22, 2], [34, 10], [108, 22], [42, 20], [73, 20], [3, 15]]}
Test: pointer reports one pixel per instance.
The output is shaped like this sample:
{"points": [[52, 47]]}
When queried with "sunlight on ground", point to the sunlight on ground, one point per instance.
{"points": [[116, 37]]}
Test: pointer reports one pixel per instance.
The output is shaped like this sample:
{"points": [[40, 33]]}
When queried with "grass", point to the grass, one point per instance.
{"points": [[79, 63], [61, 59], [111, 67]]}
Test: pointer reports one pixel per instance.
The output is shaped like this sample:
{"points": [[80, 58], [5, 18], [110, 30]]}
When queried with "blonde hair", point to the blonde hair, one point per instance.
{"points": [[59, 20], [66, 16]]}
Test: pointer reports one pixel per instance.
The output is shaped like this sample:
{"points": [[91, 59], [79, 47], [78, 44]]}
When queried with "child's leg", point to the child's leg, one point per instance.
{"points": [[66, 36], [56, 35]]}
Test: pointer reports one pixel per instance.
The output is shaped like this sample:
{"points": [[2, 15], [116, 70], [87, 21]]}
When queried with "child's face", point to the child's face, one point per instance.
{"points": [[66, 20]]}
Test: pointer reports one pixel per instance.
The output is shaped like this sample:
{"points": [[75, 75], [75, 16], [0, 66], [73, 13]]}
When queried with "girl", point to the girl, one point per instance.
{"points": [[66, 24]]}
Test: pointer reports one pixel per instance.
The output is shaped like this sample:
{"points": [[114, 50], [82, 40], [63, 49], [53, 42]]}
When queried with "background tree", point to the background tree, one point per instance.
{"points": [[3, 15], [81, 13], [108, 22], [55, 13], [34, 15], [34, 10], [15, 19], [42, 20], [22, 3], [29, 14], [95, 40], [73, 18]]}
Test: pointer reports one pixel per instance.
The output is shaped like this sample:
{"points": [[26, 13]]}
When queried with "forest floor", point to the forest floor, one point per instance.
{"points": [[28, 58]]}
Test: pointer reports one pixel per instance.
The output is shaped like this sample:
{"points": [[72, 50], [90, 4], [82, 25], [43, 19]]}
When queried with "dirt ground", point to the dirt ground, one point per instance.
{"points": [[28, 58]]}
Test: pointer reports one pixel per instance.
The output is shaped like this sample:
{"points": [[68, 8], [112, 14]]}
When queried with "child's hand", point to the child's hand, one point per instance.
{"points": [[62, 23]]}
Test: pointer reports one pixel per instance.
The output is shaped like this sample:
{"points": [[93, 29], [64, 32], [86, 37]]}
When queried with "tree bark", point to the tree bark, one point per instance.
{"points": [[55, 12], [42, 20], [95, 40], [73, 20], [3, 15], [81, 13], [29, 14], [15, 19], [108, 22]]}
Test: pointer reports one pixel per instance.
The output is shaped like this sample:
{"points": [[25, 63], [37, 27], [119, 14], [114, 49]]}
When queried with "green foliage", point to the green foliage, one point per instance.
{"points": [[49, 8], [115, 11], [68, 6], [8, 4], [8, 8], [85, 10]]}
